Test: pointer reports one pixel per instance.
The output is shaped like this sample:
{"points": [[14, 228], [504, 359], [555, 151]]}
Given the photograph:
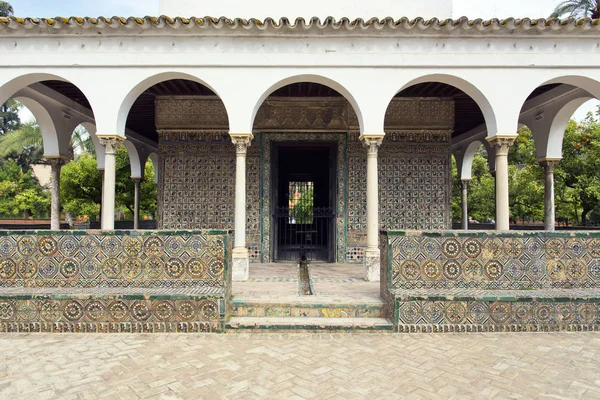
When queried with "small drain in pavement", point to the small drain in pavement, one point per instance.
{"points": [[305, 286]]}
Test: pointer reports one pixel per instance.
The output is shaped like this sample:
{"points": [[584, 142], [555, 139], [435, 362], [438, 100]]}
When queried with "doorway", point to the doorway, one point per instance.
{"points": [[304, 192]]}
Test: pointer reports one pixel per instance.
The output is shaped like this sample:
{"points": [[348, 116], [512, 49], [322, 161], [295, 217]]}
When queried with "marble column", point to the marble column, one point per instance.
{"points": [[136, 202], [502, 144], [549, 219], [240, 255], [110, 143], [56, 164], [465, 208], [371, 270]]}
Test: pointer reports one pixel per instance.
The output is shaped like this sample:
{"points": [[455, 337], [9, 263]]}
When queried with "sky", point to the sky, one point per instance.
{"points": [[94, 8]]}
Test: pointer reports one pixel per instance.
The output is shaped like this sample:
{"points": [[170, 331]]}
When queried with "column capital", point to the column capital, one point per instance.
{"points": [[110, 142], [372, 143], [465, 183], [502, 142], [549, 164], [241, 141], [136, 179]]}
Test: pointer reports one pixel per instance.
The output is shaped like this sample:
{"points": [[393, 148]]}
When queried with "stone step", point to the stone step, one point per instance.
{"points": [[312, 308], [291, 324]]}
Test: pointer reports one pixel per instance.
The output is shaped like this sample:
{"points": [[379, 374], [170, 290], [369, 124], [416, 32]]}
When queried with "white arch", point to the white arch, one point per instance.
{"points": [[464, 85], [468, 157], [320, 79], [91, 128], [559, 124], [55, 145], [147, 83], [134, 160]]}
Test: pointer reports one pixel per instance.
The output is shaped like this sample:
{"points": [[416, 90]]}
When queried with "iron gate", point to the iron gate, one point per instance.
{"points": [[304, 232]]}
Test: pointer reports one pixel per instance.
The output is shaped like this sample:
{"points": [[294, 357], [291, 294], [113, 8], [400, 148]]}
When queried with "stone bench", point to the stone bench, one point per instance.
{"points": [[488, 281], [114, 281]]}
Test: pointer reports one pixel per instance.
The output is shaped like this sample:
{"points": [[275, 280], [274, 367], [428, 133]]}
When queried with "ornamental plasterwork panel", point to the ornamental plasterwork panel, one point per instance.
{"points": [[323, 114]]}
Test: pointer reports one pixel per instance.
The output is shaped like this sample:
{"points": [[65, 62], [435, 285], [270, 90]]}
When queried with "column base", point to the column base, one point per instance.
{"points": [[371, 265], [241, 264]]}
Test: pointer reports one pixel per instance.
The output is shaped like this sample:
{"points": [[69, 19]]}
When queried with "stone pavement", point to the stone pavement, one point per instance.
{"points": [[320, 366]]}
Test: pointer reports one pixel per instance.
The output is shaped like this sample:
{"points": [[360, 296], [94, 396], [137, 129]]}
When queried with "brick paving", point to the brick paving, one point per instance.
{"points": [[320, 366]]}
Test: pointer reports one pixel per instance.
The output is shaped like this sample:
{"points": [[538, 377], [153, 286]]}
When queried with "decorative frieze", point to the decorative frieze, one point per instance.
{"points": [[419, 116]]}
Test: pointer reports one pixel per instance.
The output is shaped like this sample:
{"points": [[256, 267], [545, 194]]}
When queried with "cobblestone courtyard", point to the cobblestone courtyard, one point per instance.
{"points": [[320, 366]]}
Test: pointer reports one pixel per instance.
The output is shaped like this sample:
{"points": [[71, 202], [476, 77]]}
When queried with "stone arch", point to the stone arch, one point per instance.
{"points": [[135, 160], [469, 88], [550, 128], [466, 169], [141, 87], [10, 88], [91, 128], [320, 79], [54, 145]]}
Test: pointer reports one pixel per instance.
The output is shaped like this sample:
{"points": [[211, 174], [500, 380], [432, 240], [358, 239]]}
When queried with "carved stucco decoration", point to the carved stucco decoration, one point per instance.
{"points": [[323, 114]]}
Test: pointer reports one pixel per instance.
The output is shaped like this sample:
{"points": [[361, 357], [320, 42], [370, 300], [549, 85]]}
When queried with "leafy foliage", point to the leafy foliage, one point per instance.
{"points": [[21, 193], [6, 10], [81, 184], [577, 179], [9, 115], [577, 8]]}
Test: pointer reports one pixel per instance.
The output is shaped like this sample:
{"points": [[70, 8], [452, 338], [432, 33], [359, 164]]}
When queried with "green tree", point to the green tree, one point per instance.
{"points": [[6, 10], [81, 183], [579, 169], [21, 193], [80, 186], [9, 116], [125, 187], [577, 8], [23, 145]]}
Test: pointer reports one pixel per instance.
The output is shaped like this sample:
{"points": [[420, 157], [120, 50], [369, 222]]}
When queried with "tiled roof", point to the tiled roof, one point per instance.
{"points": [[389, 26]]}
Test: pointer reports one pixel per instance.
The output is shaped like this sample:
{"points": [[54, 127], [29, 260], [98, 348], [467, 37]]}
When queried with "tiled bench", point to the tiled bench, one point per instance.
{"points": [[453, 282], [114, 282]]}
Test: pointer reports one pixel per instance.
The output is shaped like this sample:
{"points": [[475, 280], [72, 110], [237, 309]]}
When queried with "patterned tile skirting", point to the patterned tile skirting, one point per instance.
{"points": [[522, 260], [111, 314], [497, 316], [126, 259]]}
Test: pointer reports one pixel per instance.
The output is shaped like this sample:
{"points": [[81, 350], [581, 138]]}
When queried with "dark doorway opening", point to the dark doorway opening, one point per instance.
{"points": [[304, 185]]}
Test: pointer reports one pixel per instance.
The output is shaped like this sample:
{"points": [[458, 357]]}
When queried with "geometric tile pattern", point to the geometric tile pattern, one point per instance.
{"points": [[483, 281], [116, 314], [88, 259], [497, 316], [414, 185], [114, 281], [197, 180], [495, 261]]}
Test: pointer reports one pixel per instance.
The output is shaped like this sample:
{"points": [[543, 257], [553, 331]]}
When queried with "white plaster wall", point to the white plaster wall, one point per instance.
{"points": [[498, 72], [308, 8]]}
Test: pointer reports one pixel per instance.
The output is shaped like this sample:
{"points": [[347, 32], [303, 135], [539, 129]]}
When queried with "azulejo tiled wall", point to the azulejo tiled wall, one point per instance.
{"points": [[414, 185], [197, 162], [160, 259], [117, 281], [491, 281], [495, 260]]}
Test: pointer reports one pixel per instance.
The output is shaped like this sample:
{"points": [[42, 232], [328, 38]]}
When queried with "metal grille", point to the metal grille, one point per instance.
{"points": [[303, 232]]}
